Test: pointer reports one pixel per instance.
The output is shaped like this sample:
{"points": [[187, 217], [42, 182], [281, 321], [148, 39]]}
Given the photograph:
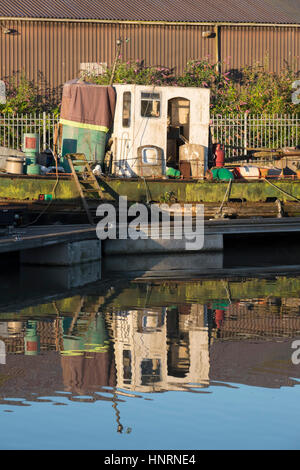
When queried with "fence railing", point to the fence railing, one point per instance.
{"points": [[12, 128], [237, 132]]}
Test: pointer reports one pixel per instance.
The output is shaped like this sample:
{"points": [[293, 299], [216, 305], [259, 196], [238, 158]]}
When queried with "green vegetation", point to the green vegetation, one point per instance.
{"points": [[27, 97], [251, 90]]}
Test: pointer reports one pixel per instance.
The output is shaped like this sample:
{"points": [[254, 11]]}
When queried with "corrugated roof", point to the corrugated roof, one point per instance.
{"points": [[235, 11]]}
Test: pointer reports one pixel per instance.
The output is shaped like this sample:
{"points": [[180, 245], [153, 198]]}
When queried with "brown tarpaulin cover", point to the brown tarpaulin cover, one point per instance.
{"points": [[88, 104], [88, 372]]}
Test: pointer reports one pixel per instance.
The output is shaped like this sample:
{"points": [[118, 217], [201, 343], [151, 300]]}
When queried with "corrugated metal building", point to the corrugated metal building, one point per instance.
{"points": [[56, 37]]}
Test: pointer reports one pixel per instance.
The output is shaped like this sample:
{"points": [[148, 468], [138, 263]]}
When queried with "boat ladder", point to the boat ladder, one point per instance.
{"points": [[85, 180]]}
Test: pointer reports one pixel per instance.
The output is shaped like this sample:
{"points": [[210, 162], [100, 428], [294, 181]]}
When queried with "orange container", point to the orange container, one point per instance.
{"points": [[264, 172]]}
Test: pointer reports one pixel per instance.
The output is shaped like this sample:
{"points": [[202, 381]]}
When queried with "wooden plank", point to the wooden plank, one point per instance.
{"points": [[84, 202], [91, 180]]}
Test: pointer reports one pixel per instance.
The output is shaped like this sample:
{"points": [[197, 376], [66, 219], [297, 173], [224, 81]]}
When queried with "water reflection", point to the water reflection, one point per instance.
{"points": [[145, 337]]}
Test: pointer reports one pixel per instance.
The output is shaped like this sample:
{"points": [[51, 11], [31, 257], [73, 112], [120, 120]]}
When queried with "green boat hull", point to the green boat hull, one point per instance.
{"points": [[29, 188]]}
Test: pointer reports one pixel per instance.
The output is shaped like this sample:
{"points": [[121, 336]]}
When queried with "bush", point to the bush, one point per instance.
{"points": [[263, 92], [202, 73], [25, 96], [256, 92], [134, 72]]}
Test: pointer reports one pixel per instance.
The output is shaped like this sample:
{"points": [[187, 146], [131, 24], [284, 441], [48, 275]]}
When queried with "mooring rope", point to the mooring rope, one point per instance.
{"points": [[226, 196], [281, 190]]}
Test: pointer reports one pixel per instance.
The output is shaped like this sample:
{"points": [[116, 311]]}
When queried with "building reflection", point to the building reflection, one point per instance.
{"points": [[100, 348]]}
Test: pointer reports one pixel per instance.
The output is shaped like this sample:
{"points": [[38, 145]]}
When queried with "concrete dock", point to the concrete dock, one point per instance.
{"points": [[68, 245], [57, 245], [38, 236], [214, 233]]}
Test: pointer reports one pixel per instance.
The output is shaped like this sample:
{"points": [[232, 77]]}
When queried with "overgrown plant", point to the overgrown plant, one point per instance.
{"points": [[254, 91], [24, 96], [263, 92], [134, 72]]}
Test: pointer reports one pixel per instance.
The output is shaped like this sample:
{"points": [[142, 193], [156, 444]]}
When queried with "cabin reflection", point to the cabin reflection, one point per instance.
{"points": [[161, 349]]}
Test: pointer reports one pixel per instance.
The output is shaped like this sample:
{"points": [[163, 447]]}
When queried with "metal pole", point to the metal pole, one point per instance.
{"points": [[217, 48], [119, 43], [245, 132], [44, 131]]}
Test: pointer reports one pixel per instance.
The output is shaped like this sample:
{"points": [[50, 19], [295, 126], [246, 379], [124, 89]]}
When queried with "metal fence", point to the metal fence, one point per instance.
{"points": [[237, 133], [12, 128]]}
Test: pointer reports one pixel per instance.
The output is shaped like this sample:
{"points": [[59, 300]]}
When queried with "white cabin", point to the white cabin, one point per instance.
{"points": [[160, 127]]}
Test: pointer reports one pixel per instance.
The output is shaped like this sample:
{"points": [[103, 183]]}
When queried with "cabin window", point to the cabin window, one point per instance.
{"points": [[150, 105], [150, 323], [150, 371], [149, 156], [127, 366], [126, 108]]}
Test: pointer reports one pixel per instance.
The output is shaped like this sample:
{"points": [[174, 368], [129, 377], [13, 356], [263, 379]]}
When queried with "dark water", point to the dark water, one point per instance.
{"points": [[155, 362]]}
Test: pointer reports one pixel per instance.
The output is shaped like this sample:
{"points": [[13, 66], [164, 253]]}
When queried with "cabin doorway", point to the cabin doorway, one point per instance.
{"points": [[178, 130]]}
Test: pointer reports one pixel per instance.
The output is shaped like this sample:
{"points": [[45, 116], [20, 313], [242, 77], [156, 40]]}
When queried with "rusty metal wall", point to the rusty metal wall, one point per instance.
{"points": [[248, 45], [56, 49]]}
